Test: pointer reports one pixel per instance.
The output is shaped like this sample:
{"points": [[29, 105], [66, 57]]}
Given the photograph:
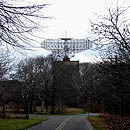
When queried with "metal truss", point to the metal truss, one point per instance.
{"points": [[66, 47]]}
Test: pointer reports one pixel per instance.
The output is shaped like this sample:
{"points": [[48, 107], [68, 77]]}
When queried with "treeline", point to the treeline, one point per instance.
{"points": [[107, 86], [112, 38], [33, 83], [100, 87]]}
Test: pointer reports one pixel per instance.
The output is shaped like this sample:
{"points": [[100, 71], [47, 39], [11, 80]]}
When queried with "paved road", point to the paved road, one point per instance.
{"points": [[75, 122]]}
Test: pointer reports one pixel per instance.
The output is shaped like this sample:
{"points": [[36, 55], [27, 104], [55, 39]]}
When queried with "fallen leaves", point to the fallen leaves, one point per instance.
{"points": [[115, 122]]}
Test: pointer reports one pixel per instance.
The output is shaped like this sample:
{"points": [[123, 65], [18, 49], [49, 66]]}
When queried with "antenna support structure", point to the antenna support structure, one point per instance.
{"points": [[66, 48]]}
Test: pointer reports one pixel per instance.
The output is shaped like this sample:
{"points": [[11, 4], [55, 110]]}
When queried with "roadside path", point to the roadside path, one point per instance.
{"points": [[74, 122]]}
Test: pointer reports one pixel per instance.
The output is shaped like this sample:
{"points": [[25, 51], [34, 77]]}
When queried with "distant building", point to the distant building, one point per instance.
{"points": [[66, 73], [11, 90], [10, 84], [66, 80]]}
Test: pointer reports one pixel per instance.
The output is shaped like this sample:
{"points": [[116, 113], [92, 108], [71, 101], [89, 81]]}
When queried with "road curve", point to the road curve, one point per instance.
{"points": [[75, 122]]}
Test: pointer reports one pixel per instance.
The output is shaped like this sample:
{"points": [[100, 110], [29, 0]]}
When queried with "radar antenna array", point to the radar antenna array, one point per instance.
{"points": [[65, 48]]}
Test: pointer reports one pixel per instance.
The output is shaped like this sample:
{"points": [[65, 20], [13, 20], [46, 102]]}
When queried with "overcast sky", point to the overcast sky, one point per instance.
{"points": [[70, 15], [73, 16]]}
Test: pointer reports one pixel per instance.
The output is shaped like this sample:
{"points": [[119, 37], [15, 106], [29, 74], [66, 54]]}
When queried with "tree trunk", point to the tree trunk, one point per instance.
{"points": [[46, 103], [3, 108], [52, 107], [52, 104], [27, 107], [85, 103], [42, 105], [18, 106], [31, 107], [46, 108], [27, 111], [91, 104], [121, 104]]}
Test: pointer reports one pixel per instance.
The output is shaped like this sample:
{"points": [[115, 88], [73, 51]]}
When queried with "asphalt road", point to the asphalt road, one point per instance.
{"points": [[75, 122]]}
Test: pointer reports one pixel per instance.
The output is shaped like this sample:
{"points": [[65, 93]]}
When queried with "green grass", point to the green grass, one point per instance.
{"points": [[73, 111], [69, 111], [97, 122], [19, 124]]}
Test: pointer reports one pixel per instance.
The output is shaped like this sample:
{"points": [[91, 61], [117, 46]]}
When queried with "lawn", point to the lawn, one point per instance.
{"points": [[19, 124], [73, 111], [97, 122], [69, 111]]}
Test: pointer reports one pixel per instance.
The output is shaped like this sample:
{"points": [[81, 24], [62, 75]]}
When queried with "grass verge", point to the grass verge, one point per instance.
{"points": [[69, 111], [19, 124], [97, 122], [73, 111]]}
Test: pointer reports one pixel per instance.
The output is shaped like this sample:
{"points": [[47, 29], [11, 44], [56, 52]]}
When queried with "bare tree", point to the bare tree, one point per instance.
{"points": [[19, 21], [4, 64], [43, 79], [89, 86], [5, 67], [35, 73], [113, 32]]}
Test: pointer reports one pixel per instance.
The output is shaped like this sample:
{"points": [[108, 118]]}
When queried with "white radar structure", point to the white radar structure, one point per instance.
{"points": [[65, 48]]}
